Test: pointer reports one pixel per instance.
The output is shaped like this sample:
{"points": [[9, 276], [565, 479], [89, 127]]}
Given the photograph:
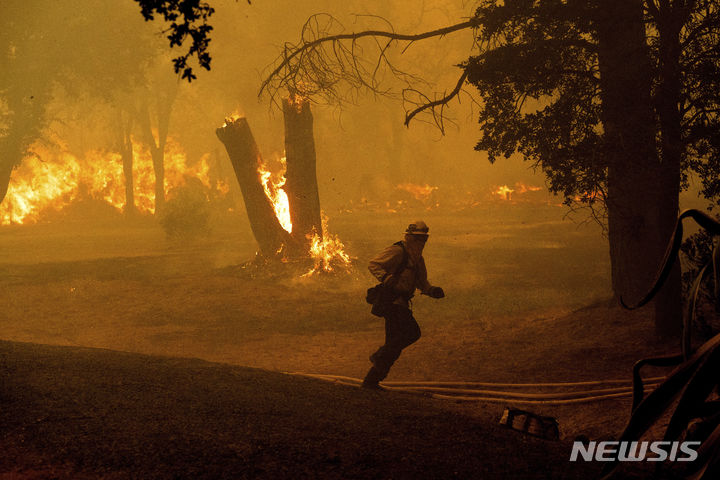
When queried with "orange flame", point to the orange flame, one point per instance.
{"points": [[588, 197], [327, 252], [504, 192], [44, 185], [420, 192], [297, 100], [272, 184], [51, 179], [233, 117], [522, 188]]}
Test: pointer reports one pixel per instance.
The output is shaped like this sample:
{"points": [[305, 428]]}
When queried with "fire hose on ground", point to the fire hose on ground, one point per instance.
{"points": [[571, 393]]}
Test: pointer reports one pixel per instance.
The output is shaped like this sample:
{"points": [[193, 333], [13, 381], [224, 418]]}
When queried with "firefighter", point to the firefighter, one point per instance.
{"points": [[401, 269]]}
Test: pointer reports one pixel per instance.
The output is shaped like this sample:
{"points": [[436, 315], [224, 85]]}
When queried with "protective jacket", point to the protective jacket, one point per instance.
{"points": [[413, 277]]}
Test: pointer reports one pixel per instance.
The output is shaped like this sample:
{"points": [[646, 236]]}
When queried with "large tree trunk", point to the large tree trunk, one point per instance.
{"points": [[245, 158], [640, 189], [301, 177], [670, 24]]}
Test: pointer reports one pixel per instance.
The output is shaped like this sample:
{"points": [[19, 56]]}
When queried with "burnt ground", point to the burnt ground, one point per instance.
{"points": [[527, 302]]}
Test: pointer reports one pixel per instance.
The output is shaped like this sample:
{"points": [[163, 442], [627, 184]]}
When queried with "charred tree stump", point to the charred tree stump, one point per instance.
{"points": [[300, 183], [245, 158], [301, 178]]}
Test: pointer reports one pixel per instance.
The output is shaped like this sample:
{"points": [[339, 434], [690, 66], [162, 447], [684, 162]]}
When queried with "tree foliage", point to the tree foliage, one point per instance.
{"points": [[537, 75], [700, 101], [538, 78], [187, 19]]}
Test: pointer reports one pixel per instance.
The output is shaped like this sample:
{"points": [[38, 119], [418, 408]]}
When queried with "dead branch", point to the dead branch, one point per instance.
{"points": [[335, 67], [441, 102]]}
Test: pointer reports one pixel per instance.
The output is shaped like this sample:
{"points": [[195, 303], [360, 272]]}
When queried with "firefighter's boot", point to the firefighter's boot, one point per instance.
{"points": [[372, 379]]}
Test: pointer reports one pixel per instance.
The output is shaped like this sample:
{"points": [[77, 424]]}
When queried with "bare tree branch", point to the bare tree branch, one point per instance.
{"points": [[306, 46], [335, 67], [439, 102]]}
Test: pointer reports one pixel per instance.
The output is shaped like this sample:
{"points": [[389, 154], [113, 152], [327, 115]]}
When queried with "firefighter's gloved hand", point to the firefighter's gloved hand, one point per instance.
{"points": [[436, 292]]}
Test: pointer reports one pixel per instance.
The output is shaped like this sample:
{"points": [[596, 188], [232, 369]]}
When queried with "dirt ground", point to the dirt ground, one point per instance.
{"points": [[527, 301], [73, 413]]}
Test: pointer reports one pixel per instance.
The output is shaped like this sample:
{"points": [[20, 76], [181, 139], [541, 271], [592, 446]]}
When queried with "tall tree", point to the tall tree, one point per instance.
{"points": [[642, 191], [669, 19], [158, 105], [594, 133]]}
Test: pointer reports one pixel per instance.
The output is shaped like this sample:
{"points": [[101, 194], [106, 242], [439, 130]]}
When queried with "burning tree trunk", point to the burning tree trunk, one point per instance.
{"points": [[301, 185], [245, 158]]}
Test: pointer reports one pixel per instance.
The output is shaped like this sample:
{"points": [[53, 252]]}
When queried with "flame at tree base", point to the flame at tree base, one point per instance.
{"points": [[327, 252]]}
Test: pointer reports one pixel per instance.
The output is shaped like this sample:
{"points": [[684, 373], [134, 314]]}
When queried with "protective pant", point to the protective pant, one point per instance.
{"points": [[401, 330]]}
